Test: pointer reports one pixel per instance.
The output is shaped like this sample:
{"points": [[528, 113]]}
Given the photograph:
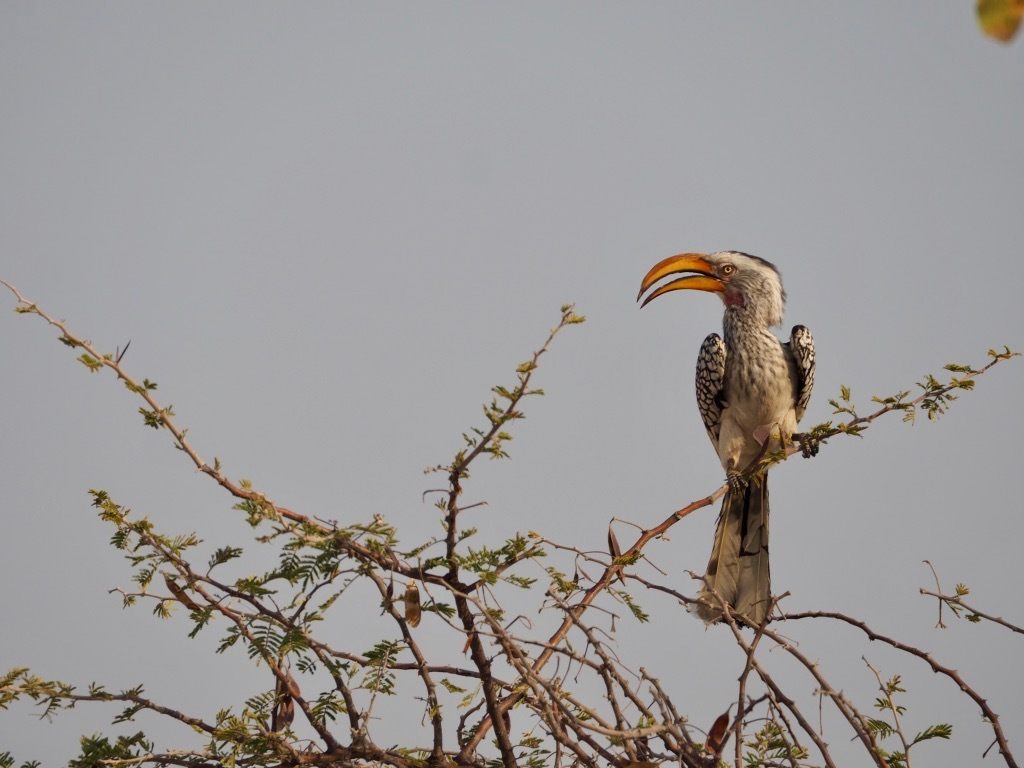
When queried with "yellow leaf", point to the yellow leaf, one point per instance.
{"points": [[999, 19]]}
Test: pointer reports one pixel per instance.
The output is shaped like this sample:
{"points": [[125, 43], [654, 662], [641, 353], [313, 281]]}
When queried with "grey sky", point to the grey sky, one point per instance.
{"points": [[328, 229]]}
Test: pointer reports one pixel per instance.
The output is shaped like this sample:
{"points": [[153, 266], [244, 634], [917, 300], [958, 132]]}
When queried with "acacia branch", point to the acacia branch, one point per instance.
{"points": [[956, 601], [422, 668], [568, 721], [952, 674], [742, 693], [891, 705]]}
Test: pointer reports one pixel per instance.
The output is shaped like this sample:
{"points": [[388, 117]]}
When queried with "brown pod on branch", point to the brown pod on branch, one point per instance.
{"points": [[412, 605], [284, 713], [180, 594], [718, 735], [286, 691], [614, 549]]}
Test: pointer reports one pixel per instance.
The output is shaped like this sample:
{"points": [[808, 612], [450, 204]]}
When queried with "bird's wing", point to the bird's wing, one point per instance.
{"points": [[801, 345], [710, 384]]}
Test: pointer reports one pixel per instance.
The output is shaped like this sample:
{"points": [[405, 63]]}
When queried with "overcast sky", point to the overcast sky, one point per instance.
{"points": [[329, 228]]}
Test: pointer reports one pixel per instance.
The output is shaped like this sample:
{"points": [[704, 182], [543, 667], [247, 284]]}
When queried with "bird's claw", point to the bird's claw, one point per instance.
{"points": [[737, 482], [808, 445]]}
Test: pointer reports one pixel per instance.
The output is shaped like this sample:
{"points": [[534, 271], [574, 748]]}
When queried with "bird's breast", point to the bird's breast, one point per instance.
{"points": [[759, 388]]}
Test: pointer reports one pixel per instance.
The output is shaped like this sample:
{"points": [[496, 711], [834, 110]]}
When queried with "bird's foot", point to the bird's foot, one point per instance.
{"points": [[809, 445], [737, 481]]}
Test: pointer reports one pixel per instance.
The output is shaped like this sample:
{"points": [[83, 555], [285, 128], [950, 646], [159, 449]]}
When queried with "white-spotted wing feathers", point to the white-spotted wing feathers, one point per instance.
{"points": [[801, 345], [710, 383]]}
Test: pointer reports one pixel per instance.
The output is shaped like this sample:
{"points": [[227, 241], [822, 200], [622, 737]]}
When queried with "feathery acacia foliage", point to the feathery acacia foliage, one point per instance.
{"points": [[575, 700]]}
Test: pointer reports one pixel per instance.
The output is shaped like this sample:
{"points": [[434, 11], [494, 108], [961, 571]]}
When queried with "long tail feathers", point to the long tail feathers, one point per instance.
{"points": [[738, 568]]}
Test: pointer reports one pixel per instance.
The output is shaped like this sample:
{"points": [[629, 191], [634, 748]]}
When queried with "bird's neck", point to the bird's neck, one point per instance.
{"points": [[744, 321]]}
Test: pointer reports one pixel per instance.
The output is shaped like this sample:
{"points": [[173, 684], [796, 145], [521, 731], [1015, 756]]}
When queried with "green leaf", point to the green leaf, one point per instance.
{"points": [[97, 750], [450, 686], [223, 555], [938, 731], [881, 727], [90, 362], [634, 608], [155, 418]]}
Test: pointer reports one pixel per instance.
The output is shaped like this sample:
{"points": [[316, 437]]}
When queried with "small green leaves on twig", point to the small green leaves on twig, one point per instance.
{"points": [[88, 360], [569, 316], [379, 677], [257, 507], [935, 399], [1003, 354], [966, 611], [146, 386], [769, 747], [560, 583], [638, 613], [884, 729], [156, 418], [98, 750], [223, 555], [843, 405], [503, 408]]}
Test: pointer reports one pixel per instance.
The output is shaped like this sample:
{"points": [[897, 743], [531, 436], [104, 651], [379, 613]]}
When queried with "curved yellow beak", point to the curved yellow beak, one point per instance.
{"points": [[703, 280]]}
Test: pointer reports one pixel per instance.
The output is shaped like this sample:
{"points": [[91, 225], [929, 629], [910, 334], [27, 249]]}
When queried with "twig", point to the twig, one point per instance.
{"points": [[897, 721], [952, 674], [938, 588], [742, 694], [956, 600]]}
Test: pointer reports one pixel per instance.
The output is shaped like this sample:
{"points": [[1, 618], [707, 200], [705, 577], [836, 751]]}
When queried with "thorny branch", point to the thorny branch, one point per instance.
{"points": [[957, 604], [604, 713], [952, 674]]}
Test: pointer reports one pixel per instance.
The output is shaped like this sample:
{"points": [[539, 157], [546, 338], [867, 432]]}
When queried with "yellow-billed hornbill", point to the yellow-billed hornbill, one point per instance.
{"points": [[752, 389]]}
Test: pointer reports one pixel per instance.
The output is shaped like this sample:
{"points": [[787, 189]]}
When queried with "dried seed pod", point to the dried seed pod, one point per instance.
{"points": [[718, 735], [293, 688], [180, 594], [284, 713], [412, 605], [615, 550]]}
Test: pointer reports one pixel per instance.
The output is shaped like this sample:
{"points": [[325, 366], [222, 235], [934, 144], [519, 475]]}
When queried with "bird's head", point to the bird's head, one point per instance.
{"points": [[746, 284]]}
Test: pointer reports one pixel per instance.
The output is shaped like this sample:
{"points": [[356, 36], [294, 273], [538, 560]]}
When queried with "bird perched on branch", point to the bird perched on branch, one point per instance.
{"points": [[752, 389]]}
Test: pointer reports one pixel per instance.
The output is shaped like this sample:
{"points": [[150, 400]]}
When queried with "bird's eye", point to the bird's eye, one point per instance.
{"points": [[728, 269]]}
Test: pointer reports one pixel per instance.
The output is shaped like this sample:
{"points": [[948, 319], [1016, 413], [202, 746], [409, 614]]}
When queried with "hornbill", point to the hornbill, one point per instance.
{"points": [[752, 389]]}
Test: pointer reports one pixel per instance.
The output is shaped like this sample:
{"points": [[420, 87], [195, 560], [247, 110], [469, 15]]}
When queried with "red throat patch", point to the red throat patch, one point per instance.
{"points": [[733, 299]]}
